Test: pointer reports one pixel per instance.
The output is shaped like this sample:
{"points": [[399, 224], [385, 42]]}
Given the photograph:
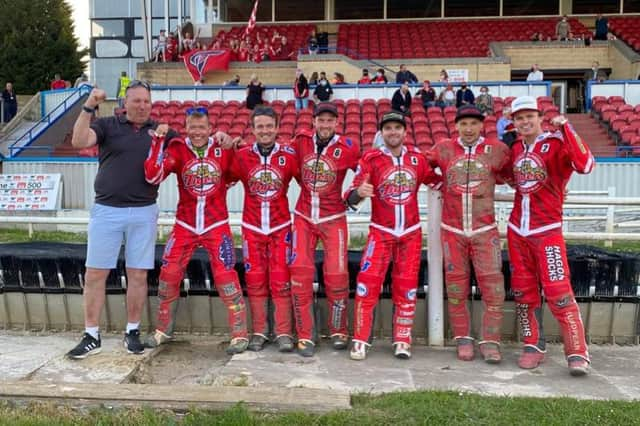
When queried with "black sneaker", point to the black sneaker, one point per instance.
{"points": [[257, 342], [132, 342], [87, 346]]}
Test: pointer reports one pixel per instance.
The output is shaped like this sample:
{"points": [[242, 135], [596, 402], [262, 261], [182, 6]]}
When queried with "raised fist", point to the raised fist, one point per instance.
{"points": [[558, 120], [96, 97]]}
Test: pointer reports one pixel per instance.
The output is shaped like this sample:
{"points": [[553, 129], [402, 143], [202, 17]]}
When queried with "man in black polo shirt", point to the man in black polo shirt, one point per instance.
{"points": [[125, 209]]}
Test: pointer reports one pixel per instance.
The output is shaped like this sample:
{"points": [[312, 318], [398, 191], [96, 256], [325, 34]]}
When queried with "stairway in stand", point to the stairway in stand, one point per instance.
{"points": [[594, 134]]}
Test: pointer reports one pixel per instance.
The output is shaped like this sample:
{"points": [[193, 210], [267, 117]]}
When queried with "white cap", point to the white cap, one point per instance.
{"points": [[524, 103]]}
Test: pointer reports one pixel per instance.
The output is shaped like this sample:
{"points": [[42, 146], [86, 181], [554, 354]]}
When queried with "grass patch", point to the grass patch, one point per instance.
{"points": [[406, 408], [22, 236]]}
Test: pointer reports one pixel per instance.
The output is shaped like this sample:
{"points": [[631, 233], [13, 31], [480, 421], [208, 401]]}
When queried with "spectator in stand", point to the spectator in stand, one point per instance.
{"points": [[267, 52], [159, 53], [323, 90], [602, 27], [312, 43], [427, 94], [505, 128], [535, 74], [444, 76], [405, 76], [123, 83], [234, 47], [537, 36], [58, 83], [595, 73], [286, 52], [172, 48], [484, 101], [243, 52], [563, 28], [464, 96], [235, 81], [447, 97], [364, 79], [338, 78], [401, 100], [188, 43], [301, 90], [83, 80], [380, 78], [10, 102], [255, 89], [313, 80], [276, 38]]}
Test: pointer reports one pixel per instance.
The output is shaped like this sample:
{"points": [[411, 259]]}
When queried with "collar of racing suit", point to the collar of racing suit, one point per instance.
{"points": [[322, 144], [199, 151], [265, 152], [388, 152], [471, 147]]}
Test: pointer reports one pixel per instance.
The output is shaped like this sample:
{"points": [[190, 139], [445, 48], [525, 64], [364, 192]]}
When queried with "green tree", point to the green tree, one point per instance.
{"points": [[36, 42]]}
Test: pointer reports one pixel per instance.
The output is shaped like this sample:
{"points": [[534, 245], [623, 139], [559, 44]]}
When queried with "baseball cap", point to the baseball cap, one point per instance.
{"points": [[325, 107], [469, 111], [393, 116], [524, 103]]}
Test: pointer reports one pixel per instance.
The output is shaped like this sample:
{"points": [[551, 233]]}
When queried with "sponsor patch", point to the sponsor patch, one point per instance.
{"points": [[556, 269], [365, 266], [287, 148], [411, 294], [370, 248], [228, 289], [404, 321], [226, 253], [349, 142], [523, 317], [362, 290]]}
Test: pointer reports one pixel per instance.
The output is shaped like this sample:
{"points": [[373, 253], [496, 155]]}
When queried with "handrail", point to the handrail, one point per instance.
{"points": [[32, 133]]}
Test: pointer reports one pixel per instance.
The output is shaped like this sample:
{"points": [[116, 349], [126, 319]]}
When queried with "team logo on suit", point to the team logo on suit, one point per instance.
{"points": [[529, 172], [466, 174], [201, 176], [265, 182], [318, 173], [397, 185]]}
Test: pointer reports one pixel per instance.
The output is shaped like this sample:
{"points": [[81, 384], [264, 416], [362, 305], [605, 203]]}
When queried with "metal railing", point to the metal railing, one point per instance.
{"points": [[23, 142]]}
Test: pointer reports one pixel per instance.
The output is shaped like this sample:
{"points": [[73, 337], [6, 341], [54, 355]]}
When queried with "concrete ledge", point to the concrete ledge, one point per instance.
{"points": [[178, 397]]}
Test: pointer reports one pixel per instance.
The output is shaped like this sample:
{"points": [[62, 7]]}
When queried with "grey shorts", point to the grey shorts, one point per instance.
{"points": [[110, 226]]}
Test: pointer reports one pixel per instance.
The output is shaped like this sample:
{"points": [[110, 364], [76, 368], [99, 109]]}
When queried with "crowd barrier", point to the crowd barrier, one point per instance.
{"points": [[41, 289]]}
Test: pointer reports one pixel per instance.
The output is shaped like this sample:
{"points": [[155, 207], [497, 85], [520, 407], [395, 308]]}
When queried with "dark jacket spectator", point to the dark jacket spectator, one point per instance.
{"points": [[602, 27], [323, 91], [10, 102], [464, 96], [405, 76], [254, 92], [401, 100], [380, 78], [427, 95]]}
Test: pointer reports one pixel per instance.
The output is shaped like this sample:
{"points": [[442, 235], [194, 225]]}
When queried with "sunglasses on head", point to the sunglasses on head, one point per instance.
{"points": [[139, 83], [197, 110]]}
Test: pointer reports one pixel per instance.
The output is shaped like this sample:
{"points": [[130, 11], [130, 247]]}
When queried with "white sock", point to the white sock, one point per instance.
{"points": [[93, 332], [132, 326]]}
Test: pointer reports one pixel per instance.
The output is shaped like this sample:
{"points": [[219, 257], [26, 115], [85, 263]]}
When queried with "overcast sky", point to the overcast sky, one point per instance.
{"points": [[81, 20]]}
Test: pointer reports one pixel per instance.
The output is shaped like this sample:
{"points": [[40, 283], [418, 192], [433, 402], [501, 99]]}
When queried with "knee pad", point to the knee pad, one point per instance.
{"points": [[337, 284], [171, 273], [302, 274], [404, 290]]}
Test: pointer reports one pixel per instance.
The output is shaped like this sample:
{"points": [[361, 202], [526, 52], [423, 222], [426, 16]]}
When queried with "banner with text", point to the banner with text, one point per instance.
{"points": [[30, 191]]}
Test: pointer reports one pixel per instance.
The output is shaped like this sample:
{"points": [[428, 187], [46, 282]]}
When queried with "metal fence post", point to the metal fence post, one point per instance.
{"points": [[435, 291], [610, 216]]}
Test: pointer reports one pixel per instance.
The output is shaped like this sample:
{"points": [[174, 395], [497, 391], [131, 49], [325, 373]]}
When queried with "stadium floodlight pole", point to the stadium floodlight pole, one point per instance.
{"points": [[434, 257]]}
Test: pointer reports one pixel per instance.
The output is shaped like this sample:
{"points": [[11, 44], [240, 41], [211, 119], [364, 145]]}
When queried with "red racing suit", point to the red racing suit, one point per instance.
{"points": [[394, 235], [320, 214], [536, 246], [201, 221], [469, 230], [266, 232]]}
